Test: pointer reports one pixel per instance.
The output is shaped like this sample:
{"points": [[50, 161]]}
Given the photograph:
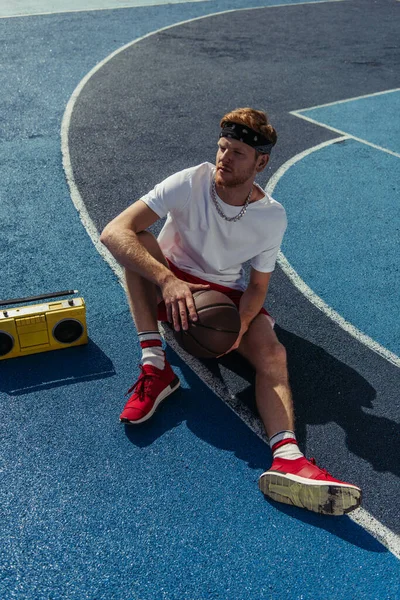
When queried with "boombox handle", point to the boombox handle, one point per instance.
{"points": [[41, 297]]}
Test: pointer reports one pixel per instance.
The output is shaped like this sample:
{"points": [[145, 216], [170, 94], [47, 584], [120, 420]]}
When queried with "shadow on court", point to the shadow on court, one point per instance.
{"points": [[53, 369], [325, 390], [328, 398], [342, 527]]}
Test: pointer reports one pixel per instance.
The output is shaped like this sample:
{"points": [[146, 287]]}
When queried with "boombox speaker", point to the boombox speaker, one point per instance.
{"points": [[42, 327]]}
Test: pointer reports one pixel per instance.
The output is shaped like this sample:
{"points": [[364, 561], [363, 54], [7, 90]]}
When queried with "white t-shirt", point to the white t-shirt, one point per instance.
{"points": [[199, 241]]}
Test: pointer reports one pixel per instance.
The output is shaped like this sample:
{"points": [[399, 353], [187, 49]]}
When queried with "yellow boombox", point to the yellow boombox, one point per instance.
{"points": [[42, 327]]}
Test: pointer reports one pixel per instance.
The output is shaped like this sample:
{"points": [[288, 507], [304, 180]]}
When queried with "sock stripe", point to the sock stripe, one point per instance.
{"points": [[286, 449], [150, 343], [281, 435], [283, 443], [149, 335], [149, 331]]}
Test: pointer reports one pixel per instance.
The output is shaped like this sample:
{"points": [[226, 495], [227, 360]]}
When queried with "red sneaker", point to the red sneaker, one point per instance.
{"points": [[301, 483], [152, 387]]}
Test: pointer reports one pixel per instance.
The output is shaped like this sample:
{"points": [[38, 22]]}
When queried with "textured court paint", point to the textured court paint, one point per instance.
{"points": [[25, 8], [300, 283], [164, 507], [74, 190], [321, 196], [373, 118], [343, 391], [364, 518], [89, 511]]}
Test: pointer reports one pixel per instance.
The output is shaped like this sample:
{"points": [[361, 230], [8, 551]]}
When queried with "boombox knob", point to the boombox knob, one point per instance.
{"points": [[71, 302]]}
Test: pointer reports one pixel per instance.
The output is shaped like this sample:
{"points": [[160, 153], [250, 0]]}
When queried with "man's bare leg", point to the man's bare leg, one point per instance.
{"points": [[267, 355], [143, 295], [157, 377], [291, 479]]}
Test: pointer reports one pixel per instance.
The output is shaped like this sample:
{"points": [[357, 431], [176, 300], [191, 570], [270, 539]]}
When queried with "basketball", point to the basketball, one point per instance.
{"points": [[216, 328]]}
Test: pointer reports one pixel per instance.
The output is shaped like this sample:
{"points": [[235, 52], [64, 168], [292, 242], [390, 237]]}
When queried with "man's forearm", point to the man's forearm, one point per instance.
{"points": [[126, 248], [251, 303]]}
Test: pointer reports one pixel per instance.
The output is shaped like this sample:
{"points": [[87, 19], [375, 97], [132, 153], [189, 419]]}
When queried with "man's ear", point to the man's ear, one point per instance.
{"points": [[262, 162]]}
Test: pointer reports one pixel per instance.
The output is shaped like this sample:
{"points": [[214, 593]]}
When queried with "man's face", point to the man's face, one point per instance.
{"points": [[236, 163]]}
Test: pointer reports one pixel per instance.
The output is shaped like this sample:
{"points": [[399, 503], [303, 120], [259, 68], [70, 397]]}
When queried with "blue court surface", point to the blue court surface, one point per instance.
{"points": [[360, 246], [171, 509]]}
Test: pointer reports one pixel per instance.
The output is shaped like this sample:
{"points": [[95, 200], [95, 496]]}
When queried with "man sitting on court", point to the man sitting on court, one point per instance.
{"points": [[217, 219]]}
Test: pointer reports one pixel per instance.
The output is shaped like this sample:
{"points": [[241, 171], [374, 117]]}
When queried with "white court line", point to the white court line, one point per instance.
{"points": [[347, 135], [346, 100], [300, 284], [362, 517], [145, 4], [298, 113]]}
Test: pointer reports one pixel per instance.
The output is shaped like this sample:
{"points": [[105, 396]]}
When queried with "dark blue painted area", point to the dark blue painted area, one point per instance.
{"points": [[167, 510], [90, 509], [373, 119], [346, 221]]}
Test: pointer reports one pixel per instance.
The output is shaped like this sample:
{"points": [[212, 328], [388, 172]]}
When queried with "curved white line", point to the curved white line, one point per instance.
{"points": [[374, 527], [155, 3], [66, 121], [300, 284]]}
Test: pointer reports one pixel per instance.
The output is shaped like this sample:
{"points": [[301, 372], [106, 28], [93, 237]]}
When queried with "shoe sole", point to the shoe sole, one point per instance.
{"points": [[164, 394], [324, 498]]}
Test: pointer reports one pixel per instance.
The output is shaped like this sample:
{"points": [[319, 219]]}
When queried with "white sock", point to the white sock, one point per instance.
{"points": [[152, 352], [284, 445]]}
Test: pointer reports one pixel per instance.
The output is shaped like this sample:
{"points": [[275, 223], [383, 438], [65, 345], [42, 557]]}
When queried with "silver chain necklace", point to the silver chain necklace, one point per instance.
{"points": [[219, 209]]}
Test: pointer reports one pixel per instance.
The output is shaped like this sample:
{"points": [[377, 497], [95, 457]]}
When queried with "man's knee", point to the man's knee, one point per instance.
{"points": [[272, 359]]}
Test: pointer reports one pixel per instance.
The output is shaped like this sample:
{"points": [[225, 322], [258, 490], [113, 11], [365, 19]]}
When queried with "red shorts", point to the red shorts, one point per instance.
{"points": [[234, 295]]}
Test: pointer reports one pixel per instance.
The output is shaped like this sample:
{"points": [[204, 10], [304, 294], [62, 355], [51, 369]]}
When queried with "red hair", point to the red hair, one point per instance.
{"points": [[255, 119]]}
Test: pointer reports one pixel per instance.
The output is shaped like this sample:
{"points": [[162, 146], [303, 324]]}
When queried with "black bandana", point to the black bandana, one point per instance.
{"points": [[246, 135]]}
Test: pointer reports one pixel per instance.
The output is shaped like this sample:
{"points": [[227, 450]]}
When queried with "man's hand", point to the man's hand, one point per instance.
{"points": [[236, 345], [178, 298], [250, 303]]}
